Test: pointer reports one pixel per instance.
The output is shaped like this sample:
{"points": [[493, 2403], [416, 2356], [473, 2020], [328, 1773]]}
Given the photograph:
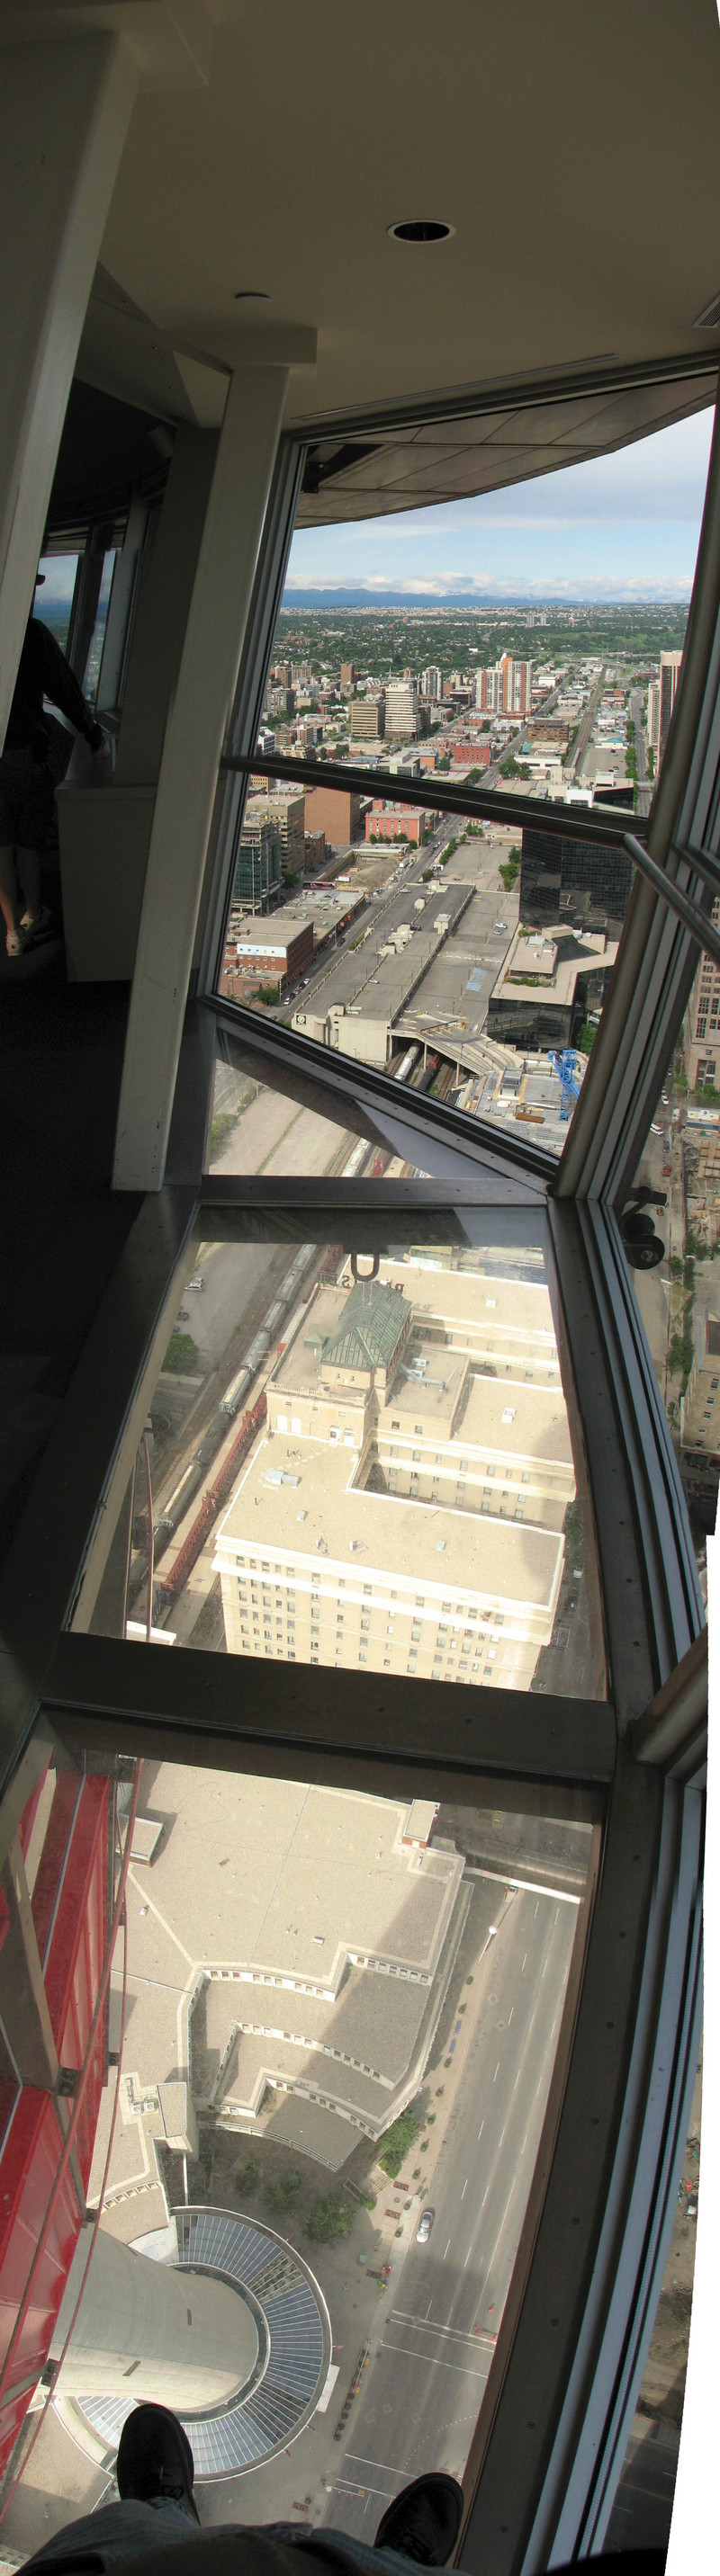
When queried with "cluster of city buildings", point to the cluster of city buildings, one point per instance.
{"points": [[404, 1507]]}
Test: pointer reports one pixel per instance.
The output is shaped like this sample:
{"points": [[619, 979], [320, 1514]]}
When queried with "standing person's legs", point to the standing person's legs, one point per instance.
{"points": [[155, 2473], [26, 807], [27, 863], [14, 941]]}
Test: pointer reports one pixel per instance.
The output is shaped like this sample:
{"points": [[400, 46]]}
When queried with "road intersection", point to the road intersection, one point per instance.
{"points": [[432, 2349]]}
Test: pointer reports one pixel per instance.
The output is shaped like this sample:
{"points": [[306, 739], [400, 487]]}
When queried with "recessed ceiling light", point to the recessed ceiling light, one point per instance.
{"points": [[251, 295], [420, 232], [710, 318]]}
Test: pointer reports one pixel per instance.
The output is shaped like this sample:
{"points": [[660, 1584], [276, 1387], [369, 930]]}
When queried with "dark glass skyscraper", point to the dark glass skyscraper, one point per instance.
{"points": [[577, 882]]}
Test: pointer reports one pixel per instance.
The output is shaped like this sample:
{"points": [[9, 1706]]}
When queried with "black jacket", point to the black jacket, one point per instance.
{"points": [[44, 673]]}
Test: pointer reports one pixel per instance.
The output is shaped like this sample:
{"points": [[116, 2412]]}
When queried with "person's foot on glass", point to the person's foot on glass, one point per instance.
{"points": [[424, 2521], [155, 2459]]}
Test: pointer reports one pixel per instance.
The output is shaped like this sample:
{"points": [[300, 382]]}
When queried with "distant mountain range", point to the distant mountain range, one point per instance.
{"points": [[591, 596]]}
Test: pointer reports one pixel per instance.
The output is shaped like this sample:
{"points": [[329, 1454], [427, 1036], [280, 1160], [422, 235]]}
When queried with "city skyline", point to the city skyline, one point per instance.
{"points": [[623, 526]]}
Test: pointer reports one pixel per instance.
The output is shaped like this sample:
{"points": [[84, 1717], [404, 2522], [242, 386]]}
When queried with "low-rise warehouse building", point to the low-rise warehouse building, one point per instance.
{"points": [[275, 954]]}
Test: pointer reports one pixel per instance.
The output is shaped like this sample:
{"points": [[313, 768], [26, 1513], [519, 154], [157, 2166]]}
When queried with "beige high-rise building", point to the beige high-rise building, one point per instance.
{"points": [[367, 719], [286, 809], [413, 1418]]}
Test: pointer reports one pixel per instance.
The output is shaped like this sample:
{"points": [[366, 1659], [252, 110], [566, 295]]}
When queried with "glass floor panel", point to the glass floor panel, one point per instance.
{"points": [[342, 2014]]}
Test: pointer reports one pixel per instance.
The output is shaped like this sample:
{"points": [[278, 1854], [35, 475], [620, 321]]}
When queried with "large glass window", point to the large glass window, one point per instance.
{"points": [[671, 1224], [470, 957], [53, 602]]}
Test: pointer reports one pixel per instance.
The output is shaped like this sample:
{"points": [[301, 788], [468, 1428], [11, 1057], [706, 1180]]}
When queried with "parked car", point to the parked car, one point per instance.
{"points": [[424, 2230], [196, 1283], [666, 1171], [183, 1314]]}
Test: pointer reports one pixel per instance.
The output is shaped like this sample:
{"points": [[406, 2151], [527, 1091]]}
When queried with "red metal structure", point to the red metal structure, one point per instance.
{"points": [[212, 1503], [56, 1938]]}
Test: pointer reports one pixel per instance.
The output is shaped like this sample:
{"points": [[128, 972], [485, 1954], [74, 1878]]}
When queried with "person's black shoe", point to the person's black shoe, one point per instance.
{"points": [[424, 2521], [154, 2459]]}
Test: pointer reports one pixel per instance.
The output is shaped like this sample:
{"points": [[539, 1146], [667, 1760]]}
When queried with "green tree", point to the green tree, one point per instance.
{"points": [[181, 1354], [221, 1125], [396, 2143], [281, 2196], [246, 2178], [329, 2217]]}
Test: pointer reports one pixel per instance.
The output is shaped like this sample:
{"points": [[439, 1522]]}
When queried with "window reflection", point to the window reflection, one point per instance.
{"points": [[469, 959], [675, 1218], [366, 1461]]}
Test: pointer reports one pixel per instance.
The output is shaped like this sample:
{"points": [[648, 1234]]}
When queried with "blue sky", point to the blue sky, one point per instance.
{"points": [[623, 527]]}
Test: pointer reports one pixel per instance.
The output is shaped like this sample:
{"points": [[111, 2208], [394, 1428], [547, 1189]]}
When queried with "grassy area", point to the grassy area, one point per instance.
{"points": [[181, 1355]]}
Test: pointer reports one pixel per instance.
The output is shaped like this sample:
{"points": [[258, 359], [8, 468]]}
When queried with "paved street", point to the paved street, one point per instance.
{"points": [[585, 727], [427, 2376], [644, 784]]}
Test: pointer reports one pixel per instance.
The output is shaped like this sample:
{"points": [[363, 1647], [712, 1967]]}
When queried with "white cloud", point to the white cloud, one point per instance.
{"points": [[621, 526]]}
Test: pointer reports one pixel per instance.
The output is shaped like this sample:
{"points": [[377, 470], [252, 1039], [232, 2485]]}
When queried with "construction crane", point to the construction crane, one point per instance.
{"points": [[568, 1068]]}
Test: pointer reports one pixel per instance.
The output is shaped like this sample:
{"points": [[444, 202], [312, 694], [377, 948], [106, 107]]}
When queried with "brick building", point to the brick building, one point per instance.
{"points": [[397, 823], [276, 955], [336, 811]]}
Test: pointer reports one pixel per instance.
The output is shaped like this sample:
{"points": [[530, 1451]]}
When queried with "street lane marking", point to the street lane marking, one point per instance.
{"points": [[480, 2131], [447, 2249], [525, 1886], [497, 2071], [352, 2487], [435, 2364], [464, 2188], [467, 2258], [403, 2316], [510, 2014], [524, 1963], [362, 2457], [502, 2221]]}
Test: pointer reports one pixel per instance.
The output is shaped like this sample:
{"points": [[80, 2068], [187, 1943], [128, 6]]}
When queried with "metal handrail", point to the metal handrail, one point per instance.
{"points": [[670, 893], [491, 807]]}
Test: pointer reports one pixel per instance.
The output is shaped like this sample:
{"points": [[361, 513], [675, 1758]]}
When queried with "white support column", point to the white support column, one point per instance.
{"points": [[196, 729], [64, 114], [145, 2329]]}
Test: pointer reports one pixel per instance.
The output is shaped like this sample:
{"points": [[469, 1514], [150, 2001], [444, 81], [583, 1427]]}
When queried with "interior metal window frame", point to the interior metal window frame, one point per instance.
{"points": [[657, 957], [546, 2457]]}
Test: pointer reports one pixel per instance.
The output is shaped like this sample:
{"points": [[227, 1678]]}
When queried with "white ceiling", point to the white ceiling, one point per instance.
{"points": [[573, 149]]}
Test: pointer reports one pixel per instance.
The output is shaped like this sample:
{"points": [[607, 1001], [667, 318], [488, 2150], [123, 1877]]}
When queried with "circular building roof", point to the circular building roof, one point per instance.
{"points": [[294, 2335]]}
